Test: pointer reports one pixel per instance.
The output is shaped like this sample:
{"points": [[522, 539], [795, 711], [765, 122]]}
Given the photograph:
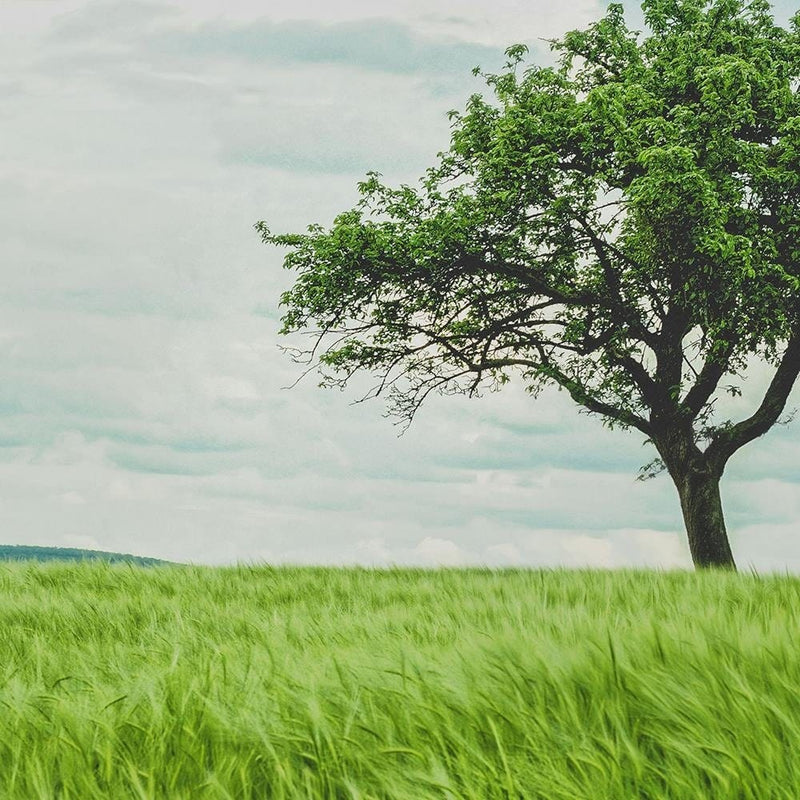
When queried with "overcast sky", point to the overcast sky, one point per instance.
{"points": [[141, 401]]}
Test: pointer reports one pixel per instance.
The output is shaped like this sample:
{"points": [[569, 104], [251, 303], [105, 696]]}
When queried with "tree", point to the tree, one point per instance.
{"points": [[624, 225]]}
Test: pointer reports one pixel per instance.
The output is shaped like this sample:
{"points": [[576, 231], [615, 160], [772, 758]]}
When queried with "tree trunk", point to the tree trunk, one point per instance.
{"points": [[698, 489]]}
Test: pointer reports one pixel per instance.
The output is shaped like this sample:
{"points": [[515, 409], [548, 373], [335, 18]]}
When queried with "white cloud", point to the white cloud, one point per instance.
{"points": [[227, 387], [440, 552], [582, 551], [73, 499], [374, 550], [505, 553], [768, 547], [497, 24], [82, 542], [611, 548]]}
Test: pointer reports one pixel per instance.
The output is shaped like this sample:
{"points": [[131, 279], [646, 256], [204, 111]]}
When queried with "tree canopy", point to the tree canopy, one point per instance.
{"points": [[623, 225]]}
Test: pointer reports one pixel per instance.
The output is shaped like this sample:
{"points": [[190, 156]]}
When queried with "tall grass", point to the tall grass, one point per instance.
{"points": [[275, 683]]}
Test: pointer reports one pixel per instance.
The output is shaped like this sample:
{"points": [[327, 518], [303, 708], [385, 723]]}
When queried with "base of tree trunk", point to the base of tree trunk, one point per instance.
{"points": [[705, 524]]}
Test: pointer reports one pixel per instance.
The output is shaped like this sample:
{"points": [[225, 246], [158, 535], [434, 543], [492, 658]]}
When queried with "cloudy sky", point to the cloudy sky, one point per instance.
{"points": [[142, 406]]}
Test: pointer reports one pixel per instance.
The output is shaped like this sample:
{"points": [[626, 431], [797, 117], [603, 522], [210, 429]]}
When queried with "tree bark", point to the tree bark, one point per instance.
{"points": [[696, 476], [698, 489]]}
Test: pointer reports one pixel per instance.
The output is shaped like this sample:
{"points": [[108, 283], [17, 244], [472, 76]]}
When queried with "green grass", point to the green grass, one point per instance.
{"points": [[186, 682]]}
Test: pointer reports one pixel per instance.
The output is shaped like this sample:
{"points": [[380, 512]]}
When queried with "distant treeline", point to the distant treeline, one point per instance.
{"points": [[28, 553]]}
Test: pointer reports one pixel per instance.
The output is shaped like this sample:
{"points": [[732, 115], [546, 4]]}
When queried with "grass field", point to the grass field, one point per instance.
{"points": [[188, 682]]}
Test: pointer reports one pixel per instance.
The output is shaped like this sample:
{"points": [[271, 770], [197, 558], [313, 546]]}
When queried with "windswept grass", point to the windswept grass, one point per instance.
{"points": [[187, 682]]}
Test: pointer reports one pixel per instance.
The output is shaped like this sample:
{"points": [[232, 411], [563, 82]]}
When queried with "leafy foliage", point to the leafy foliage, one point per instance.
{"points": [[624, 225]]}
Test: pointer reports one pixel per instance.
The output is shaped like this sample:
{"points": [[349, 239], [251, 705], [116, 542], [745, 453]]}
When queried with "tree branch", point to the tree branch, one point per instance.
{"points": [[581, 396], [726, 442], [652, 393], [600, 247], [707, 380]]}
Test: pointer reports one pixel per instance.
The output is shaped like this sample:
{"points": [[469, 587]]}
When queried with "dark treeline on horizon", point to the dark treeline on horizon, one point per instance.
{"points": [[32, 553]]}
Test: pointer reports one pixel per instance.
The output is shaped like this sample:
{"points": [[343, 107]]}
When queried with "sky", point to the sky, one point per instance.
{"points": [[143, 400]]}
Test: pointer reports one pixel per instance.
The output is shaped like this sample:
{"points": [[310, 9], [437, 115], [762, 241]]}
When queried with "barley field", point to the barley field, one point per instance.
{"points": [[184, 682]]}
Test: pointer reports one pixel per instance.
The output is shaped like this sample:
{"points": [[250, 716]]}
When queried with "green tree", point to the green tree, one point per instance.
{"points": [[623, 225]]}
